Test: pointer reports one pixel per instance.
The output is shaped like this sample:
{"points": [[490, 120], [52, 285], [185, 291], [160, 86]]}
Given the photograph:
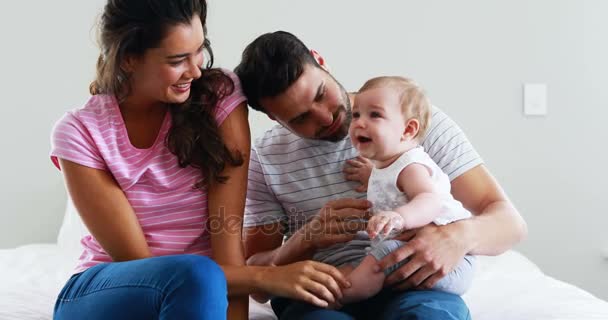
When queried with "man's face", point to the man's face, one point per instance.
{"points": [[315, 106]]}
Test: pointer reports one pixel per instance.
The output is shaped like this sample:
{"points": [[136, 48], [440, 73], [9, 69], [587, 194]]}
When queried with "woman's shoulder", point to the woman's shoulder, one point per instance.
{"points": [[91, 119], [231, 74], [231, 100], [77, 135], [98, 107], [235, 82], [97, 110]]}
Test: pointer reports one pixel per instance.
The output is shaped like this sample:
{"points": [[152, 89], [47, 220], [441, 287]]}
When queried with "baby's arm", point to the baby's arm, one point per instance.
{"points": [[365, 282], [423, 207]]}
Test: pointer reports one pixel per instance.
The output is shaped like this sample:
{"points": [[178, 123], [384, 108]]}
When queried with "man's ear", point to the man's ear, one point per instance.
{"points": [[412, 126], [320, 59]]}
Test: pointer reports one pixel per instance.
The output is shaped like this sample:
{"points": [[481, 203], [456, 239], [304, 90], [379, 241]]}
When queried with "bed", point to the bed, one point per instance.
{"points": [[508, 286]]}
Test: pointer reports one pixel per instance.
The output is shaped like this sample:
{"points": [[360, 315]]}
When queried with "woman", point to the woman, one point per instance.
{"points": [[156, 164]]}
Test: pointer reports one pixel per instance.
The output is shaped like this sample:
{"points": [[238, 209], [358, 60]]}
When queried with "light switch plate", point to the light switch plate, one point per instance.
{"points": [[535, 99]]}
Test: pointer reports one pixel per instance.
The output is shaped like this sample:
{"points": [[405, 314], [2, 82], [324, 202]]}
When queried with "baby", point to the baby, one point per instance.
{"points": [[407, 189]]}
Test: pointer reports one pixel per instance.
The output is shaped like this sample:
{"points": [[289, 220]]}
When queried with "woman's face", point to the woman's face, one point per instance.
{"points": [[164, 74]]}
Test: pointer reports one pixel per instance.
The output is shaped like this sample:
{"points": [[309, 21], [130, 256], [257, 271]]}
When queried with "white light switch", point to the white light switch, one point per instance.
{"points": [[535, 99]]}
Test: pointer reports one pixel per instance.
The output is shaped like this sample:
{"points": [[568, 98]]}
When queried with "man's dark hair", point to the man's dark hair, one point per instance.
{"points": [[270, 64]]}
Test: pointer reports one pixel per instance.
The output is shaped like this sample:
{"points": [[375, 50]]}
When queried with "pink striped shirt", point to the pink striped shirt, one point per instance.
{"points": [[172, 214]]}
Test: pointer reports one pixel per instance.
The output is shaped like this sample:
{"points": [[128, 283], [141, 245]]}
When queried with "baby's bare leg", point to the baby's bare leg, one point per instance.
{"points": [[365, 283]]}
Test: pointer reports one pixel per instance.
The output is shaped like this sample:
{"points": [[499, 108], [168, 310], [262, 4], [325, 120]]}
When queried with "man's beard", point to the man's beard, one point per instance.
{"points": [[341, 132]]}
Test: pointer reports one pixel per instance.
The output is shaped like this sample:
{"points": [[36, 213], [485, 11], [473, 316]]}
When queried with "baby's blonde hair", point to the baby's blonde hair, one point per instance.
{"points": [[414, 103]]}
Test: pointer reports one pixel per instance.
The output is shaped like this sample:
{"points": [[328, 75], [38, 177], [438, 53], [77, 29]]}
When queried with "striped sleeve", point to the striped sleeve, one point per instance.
{"points": [[261, 207], [449, 147], [71, 140], [230, 102]]}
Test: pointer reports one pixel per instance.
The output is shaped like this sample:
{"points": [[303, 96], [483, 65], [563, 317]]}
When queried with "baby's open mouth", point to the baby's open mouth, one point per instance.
{"points": [[363, 139]]}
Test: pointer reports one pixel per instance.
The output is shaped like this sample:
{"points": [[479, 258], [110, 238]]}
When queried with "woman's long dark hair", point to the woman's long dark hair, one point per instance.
{"points": [[194, 136], [129, 28]]}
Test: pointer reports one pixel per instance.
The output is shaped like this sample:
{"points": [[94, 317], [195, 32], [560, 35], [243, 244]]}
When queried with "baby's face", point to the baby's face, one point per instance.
{"points": [[378, 124]]}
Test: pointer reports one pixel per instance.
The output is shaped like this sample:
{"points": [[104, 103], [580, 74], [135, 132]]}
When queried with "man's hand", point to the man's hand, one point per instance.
{"points": [[338, 221], [358, 169], [434, 251], [384, 222]]}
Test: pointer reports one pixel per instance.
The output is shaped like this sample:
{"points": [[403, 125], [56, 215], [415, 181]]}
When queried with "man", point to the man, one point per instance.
{"points": [[297, 189]]}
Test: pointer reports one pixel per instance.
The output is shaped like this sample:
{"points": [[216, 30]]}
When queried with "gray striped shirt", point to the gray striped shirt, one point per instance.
{"points": [[291, 178]]}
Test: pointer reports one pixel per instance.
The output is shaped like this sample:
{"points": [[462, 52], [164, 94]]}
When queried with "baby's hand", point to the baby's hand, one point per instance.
{"points": [[384, 222], [358, 169]]}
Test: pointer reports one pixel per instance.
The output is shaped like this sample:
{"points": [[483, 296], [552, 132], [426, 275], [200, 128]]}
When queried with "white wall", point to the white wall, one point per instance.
{"points": [[46, 63], [471, 56]]}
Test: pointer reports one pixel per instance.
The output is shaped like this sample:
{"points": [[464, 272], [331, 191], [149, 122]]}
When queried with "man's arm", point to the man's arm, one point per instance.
{"points": [[496, 224], [264, 246], [263, 232], [336, 222]]}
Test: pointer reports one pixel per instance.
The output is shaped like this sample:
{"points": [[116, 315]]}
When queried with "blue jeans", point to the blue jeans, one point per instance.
{"points": [[167, 287], [387, 305]]}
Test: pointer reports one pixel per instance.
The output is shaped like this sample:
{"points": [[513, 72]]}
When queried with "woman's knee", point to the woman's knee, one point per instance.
{"points": [[201, 276]]}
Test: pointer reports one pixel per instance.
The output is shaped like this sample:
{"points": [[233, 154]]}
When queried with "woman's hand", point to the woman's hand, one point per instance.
{"points": [[310, 281], [358, 169]]}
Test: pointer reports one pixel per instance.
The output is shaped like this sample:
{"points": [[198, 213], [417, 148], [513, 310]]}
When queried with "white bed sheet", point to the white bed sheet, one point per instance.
{"points": [[505, 287]]}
